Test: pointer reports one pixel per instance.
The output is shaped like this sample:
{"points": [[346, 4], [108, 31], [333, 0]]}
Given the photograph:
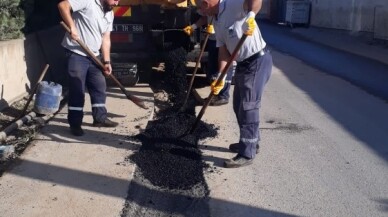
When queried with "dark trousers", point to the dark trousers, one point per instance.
{"points": [[250, 78], [83, 72], [213, 69]]}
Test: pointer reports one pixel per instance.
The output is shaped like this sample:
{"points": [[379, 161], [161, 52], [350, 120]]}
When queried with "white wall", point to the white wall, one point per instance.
{"points": [[23, 60], [354, 15], [13, 76]]}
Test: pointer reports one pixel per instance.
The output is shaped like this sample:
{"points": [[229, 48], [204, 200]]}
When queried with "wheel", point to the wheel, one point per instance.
{"points": [[129, 81]]}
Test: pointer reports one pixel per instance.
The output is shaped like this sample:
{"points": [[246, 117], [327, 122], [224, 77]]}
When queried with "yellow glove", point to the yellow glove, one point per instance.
{"points": [[217, 88], [189, 30], [249, 25], [210, 29]]}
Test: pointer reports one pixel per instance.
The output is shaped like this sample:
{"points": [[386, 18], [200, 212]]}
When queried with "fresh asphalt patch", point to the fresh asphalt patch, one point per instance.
{"points": [[169, 178]]}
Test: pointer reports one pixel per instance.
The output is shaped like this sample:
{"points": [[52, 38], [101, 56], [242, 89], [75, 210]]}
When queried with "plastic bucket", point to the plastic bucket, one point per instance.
{"points": [[47, 98]]}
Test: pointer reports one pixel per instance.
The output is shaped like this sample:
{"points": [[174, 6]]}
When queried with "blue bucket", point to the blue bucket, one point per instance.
{"points": [[47, 98]]}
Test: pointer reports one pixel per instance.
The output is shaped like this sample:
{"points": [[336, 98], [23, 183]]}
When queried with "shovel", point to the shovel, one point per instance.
{"points": [[33, 91], [219, 80], [195, 72], [134, 99]]}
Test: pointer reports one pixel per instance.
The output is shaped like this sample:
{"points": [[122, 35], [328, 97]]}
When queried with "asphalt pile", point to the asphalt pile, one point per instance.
{"points": [[169, 156], [170, 169], [175, 81]]}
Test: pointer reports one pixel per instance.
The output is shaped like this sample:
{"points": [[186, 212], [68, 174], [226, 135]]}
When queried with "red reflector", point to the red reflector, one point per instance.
{"points": [[121, 38]]}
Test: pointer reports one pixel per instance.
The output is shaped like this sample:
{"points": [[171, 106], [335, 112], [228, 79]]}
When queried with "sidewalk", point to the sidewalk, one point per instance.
{"points": [[63, 175], [358, 44]]}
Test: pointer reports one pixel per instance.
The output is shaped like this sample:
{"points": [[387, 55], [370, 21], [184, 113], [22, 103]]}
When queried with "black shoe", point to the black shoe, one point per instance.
{"points": [[217, 101], [238, 161], [105, 123], [235, 147], [77, 131]]}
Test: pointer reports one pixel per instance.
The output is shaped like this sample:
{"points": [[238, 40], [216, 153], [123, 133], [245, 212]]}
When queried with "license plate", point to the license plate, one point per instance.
{"points": [[130, 28]]}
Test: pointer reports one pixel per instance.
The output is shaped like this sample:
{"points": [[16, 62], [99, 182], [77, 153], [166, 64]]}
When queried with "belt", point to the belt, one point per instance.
{"points": [[259, 54]]}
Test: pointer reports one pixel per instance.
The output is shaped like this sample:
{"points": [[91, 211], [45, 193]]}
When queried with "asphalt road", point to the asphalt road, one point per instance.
{"points": [[366, 73], [324, 149]]}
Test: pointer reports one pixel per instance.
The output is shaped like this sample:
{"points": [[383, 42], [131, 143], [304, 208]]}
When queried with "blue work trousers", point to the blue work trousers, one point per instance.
{"points": [[250, 78], [213, 69], [84, 73]]}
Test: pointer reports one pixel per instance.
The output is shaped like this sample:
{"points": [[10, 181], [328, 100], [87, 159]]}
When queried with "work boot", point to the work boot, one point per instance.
{"points": [[235, 147], [217, 101], [76, 131], [238, 161], [105, 123]]}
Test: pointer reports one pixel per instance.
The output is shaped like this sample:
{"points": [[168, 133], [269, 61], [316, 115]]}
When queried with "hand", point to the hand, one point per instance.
{"points": [[74, 34], [249, 25], [217, 88], [210, 29], [189, 30], [107, 69]]}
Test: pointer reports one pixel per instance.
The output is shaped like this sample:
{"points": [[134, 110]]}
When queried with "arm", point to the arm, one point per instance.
{"points": [[201, 21], [223, 57], [253, 5], [65, 11], [189, 30], [105, 52]]}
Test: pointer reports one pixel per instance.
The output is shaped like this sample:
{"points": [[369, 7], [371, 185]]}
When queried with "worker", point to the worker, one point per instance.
{"points": [[91, 22], [232, 19], [223, 97]]}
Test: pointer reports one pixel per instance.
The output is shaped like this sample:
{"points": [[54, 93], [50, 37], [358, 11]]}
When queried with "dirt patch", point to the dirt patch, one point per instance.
{"points": [[20, 137]]}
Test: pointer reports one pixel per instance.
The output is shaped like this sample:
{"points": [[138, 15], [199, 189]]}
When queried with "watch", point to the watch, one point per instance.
{"points": [[106, 62]]}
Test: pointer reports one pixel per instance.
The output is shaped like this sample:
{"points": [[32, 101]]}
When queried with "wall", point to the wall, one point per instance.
{"points": [[354, 15], [23, 60], [13, 76]]}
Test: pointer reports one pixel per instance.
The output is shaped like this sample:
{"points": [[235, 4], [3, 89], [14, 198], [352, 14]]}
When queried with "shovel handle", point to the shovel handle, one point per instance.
{"points": [[134, 99], [219, 80], [33, 91]]}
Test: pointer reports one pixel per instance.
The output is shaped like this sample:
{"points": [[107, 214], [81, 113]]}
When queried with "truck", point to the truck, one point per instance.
{"points": [[144, 31]]}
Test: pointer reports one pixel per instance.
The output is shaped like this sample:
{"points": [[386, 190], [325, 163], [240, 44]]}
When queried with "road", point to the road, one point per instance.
{"points": [[366, 73], [324, 149]]}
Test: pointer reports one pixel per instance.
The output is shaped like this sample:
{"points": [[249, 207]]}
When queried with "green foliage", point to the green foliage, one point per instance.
{"points": [[11, 19], [19, 17]]}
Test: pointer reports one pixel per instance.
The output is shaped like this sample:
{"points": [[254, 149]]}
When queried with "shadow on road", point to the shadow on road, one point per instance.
{"points": [[106, 185]]}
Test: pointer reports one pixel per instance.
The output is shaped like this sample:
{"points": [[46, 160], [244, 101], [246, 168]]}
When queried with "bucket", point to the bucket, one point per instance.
{"points": [[47, 98]]}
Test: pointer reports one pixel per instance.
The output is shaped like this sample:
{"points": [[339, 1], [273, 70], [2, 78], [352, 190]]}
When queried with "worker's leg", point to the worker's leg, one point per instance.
{"points": [[96, 85], [250, 80], [77, 70]]}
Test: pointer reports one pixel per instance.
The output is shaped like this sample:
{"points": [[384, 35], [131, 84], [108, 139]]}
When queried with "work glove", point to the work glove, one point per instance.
{"points": [[249, 25], [189, 30], [217, 88], [210, 29]]}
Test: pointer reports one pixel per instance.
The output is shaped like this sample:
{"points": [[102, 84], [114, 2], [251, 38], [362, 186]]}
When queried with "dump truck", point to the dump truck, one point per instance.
{"points": [[144, 31]]}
